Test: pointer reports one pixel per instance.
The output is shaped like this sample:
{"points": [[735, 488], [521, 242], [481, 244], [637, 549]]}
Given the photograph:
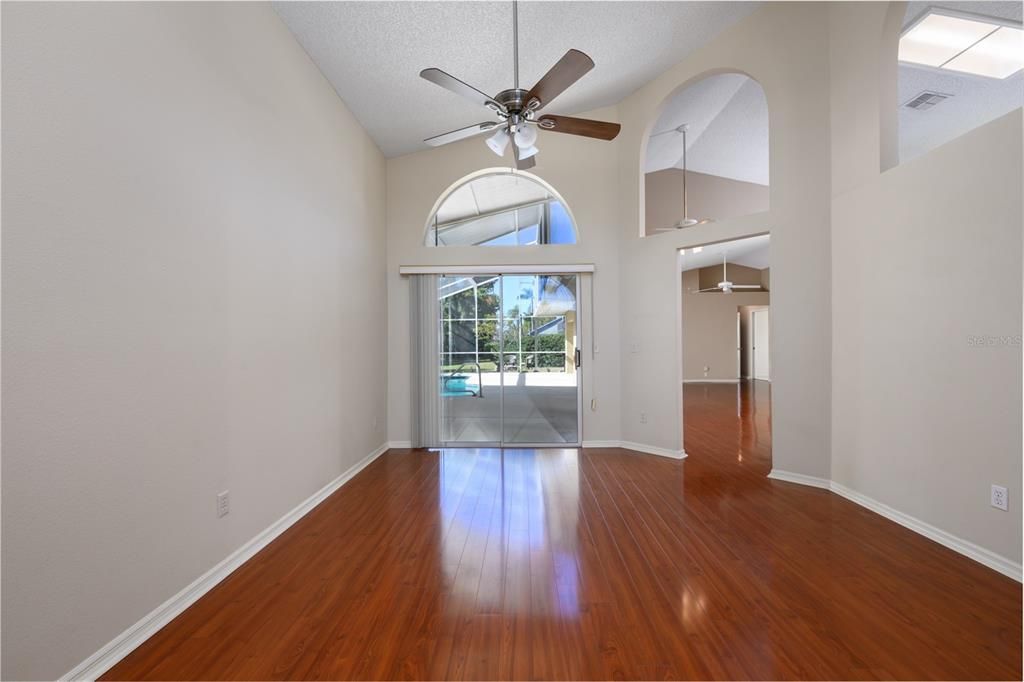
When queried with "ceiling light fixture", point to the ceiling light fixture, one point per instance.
{"points": [[525, 138], [965, 43], [498, 142], [526, 135]]}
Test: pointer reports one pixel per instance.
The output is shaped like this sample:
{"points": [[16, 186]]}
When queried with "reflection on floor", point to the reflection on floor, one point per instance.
{"points": [[597, 564], [730, 417], [539, 408]]}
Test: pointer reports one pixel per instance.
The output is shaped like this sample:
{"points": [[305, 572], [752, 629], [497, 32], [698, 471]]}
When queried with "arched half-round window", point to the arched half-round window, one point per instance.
{"points": [[500, 207]]}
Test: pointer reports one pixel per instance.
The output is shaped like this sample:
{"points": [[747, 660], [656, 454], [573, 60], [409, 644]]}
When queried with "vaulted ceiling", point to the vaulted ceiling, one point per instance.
{"points": [[727, 119], [372, 53]]}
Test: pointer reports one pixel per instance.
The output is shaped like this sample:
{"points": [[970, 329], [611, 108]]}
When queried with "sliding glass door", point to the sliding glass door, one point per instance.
{"points": [[509, 359]]}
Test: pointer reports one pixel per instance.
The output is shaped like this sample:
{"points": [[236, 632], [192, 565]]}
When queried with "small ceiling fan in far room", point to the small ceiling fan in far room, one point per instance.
{"points": [[686, 220], [516, 109], [725, 286]]}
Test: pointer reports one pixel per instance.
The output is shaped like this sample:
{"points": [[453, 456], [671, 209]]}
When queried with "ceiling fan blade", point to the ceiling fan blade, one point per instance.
{"points": [[566, 71], [450, 82], [524, 164], [746, 286], [461, 133], [579, 126], [701, 291]]}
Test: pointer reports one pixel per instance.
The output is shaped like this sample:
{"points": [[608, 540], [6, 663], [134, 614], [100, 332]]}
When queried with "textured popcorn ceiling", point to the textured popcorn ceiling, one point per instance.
{"points": [[975, 101], [372, 53], [727, 117]]}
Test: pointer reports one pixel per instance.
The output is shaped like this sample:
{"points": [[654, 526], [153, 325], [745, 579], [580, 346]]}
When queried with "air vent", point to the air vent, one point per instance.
{"points": [[926, 100]]}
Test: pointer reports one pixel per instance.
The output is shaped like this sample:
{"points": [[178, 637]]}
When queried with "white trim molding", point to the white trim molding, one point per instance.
{"points": [[983, 556], [122, 645], [791, 477], [711, 381], [602, 443], [495, 269], [638, 447], [399, 444], [970, 550]]}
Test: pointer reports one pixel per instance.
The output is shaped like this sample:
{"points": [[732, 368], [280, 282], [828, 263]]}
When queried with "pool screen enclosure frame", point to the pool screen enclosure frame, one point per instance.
{"points": [[538, 400]]}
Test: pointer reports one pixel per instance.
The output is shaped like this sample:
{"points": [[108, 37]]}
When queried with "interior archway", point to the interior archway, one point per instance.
{"points": [[722, 170]]}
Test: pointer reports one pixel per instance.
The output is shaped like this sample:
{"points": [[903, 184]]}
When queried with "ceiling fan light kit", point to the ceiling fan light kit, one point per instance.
{"points": [[498, 142], [517, 108]]}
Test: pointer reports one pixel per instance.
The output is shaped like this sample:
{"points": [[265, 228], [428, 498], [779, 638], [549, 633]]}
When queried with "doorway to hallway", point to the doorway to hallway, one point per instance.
{"points": [[726, 349]]}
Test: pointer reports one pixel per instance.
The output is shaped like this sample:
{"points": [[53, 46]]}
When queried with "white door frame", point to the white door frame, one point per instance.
{"points": [[581, 305], [753, 344]]}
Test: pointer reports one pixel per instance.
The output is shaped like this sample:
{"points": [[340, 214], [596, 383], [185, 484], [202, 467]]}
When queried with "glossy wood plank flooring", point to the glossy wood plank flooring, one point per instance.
{"points": [[600, 564]]}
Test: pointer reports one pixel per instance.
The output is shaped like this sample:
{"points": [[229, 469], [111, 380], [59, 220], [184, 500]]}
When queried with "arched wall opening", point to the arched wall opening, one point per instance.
{"points": [[705, 156]]}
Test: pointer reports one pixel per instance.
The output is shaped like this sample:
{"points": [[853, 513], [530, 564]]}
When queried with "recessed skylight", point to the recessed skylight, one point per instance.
{"points": [[999, 55], [966, 44]]}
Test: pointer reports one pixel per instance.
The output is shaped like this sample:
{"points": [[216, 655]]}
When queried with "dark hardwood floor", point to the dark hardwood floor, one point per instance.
{"points": [[597, 564]]}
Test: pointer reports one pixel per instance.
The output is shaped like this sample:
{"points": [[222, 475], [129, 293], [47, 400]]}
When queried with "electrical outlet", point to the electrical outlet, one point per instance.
{"points": [[223, 504], [643, 417], [999, 498]]}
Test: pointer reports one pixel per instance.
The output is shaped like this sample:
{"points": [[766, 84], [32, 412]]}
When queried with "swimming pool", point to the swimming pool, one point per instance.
{"points": [[458, 385]]}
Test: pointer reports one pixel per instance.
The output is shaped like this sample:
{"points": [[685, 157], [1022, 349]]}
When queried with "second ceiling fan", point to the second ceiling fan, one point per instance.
{"points": [[516, 109], [725, 286]]}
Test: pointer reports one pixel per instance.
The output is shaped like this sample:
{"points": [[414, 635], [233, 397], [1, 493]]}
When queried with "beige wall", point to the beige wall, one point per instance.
{"points": [[709, 329], [925, 419], [583, 172], [634, 364], [193, 249], [707, 196], [785, 47]]}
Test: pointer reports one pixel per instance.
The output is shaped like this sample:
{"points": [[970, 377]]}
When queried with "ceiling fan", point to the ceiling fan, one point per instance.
{"points": [[725, 286], [686, 220], [516, 108]]}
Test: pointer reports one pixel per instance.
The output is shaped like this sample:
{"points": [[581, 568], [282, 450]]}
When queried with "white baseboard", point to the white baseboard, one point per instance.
{"points": [[639, 447], [122, 645], [399, 444], [968, 549], [652, 450], [791, 477], [602, 443], [711, 381]]}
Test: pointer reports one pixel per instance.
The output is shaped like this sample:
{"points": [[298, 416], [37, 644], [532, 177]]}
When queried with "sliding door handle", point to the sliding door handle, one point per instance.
{"points": [[579, 358]]}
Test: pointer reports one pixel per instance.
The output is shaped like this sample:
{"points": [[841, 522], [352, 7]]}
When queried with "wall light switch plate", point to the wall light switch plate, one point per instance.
{"points": [[223, 504], [1000, 498]]}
